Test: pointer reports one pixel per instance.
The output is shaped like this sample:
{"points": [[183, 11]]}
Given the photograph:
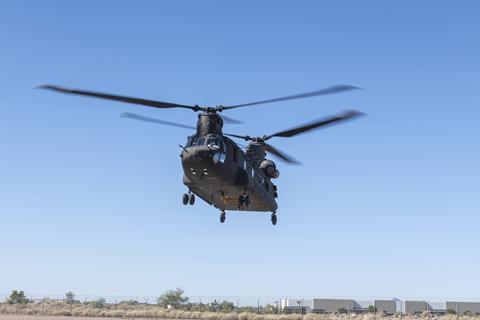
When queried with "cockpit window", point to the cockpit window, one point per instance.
{"points": [[189, 141], [214, 141], [200, 141]]}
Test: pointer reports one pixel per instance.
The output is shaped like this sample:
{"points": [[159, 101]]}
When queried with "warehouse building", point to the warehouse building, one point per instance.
{"points": [[415, 307], [385, 306], [462, 308], [296, 305], [335, 305]]}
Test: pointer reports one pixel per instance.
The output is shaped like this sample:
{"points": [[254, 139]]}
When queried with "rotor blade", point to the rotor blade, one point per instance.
{"points": [[246, 138], [231, 120], [347, 115], [145, 102], [271, 149], [152, 120], [322, 92]]}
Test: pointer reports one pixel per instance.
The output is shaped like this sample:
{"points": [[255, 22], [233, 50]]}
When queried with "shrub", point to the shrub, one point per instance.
{"points": [[17, 297], [130, 302], [342, 310], [69, 297], [451, 311], [99, 303], [173, 298]]}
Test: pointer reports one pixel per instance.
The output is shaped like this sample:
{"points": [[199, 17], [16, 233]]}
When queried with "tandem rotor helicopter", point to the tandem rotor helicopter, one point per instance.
{"points": [[215, 168]]}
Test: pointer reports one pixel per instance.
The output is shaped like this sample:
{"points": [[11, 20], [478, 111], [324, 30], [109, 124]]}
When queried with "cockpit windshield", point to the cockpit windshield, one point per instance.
{"points": [[211, 141]]}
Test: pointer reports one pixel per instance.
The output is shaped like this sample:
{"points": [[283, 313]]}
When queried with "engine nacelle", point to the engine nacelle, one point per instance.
{"points": [[270, 169]]}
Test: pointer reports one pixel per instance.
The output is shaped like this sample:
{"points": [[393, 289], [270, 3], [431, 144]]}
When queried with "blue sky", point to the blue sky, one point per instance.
{"points": [[384, 206]]}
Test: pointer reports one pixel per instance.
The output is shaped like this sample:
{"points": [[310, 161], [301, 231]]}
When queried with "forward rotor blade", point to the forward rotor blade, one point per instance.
{"points": [[288, 159], [152, 120], [347, 115], [145, 102], [322, 92], [231, 120]]}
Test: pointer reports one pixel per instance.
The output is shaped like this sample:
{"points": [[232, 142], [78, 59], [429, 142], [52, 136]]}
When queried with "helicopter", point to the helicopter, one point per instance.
{"points": [[215, 167]]}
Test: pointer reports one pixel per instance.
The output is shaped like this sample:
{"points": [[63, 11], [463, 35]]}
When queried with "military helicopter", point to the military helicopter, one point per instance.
{"points": [[216, 169]]}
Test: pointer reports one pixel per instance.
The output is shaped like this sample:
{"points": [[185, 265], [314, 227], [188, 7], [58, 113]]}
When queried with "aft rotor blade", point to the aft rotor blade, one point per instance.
{"points": [[145, 102], [347, 115], [288, 159], [231, 120], [322, 92], [152, 120], [246, 138]]}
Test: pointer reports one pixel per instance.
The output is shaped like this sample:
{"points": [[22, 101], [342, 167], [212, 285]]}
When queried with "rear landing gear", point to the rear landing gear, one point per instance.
{"points": [[188, 198], [185, 198], [222, 216], [274, 218], [191, 200]]}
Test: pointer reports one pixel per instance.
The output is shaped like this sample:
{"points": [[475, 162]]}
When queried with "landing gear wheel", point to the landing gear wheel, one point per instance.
{"points": [[185, 198], [191, 199], [274, 218], [222, 216]]}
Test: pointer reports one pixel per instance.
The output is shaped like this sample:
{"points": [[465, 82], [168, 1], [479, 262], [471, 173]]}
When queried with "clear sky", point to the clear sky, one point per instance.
{"points": [[387, 205]]}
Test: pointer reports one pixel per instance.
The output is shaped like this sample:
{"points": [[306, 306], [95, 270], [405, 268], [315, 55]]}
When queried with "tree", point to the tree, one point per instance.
{"points": [[173, 299], [17, 297], [226, 306], [372, 309], [99, 303], [69, 297]]}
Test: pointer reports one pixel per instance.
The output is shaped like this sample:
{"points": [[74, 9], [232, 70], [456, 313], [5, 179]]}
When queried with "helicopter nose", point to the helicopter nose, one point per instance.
{"points": [[198, 159]]}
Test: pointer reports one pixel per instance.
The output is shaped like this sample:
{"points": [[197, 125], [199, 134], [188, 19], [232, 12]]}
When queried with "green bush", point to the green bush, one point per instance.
{"points": [[17, 297], [342, 310], [98, 304], [173, 298], [69, 297], [129, 302]]}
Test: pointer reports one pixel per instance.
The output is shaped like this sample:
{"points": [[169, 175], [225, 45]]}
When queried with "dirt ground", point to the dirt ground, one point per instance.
{"points": [[25, 317]]}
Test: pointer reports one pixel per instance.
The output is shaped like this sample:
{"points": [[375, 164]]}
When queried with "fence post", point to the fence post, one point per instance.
{"points": [[238, 307], [348, 309], [325, 309], [401, 309]]}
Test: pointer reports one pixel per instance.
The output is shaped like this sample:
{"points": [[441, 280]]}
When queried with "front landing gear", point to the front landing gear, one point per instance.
{"points": [[222, 216], [188, 198], [274, 218]]}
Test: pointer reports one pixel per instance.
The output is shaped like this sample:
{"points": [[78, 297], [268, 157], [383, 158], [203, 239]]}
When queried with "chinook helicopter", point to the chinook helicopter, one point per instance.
{"points": [[216, 169]]}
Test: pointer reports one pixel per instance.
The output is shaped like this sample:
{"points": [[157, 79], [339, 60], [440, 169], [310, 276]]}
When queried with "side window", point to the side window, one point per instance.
{"points": [[189, 141], [235, 154]]}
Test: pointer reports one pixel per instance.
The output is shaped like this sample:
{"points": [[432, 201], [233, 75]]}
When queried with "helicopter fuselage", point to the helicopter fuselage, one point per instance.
{"points": [[217, 170]]}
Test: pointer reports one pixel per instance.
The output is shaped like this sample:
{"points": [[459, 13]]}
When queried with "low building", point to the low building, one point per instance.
{"points": [[385, 306], [334, 305], [295, 305], [415, 307], [462, 308]]}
